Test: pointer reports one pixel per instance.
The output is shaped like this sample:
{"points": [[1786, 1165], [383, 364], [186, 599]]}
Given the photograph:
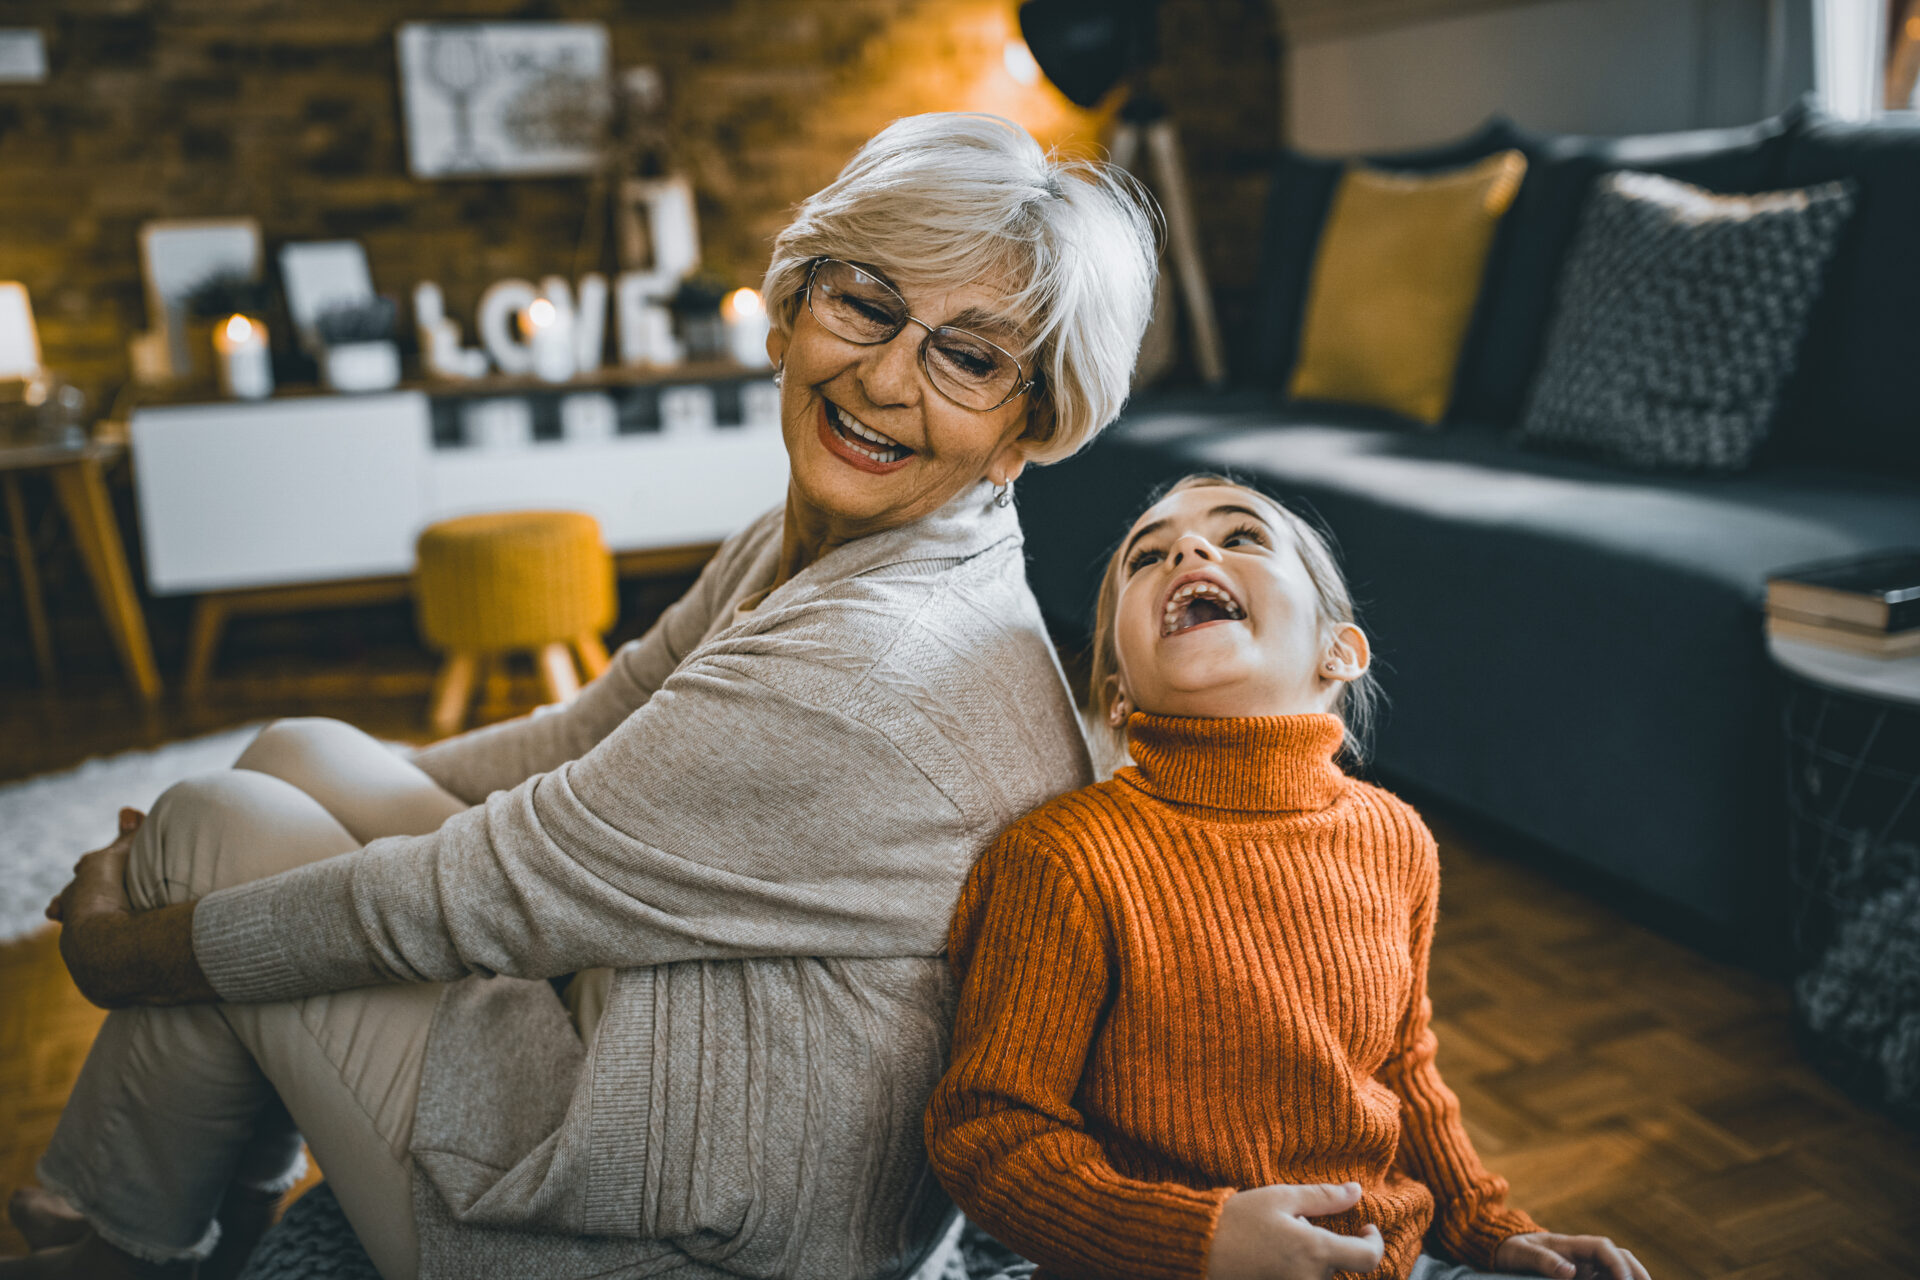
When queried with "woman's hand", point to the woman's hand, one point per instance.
{"points": [[1542, 1253], [117, 956], [1263, 1234]]}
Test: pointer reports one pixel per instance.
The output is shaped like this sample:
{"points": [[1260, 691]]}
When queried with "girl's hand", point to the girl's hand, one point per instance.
{"points": [[1542, 1253], [1263, 1234]]}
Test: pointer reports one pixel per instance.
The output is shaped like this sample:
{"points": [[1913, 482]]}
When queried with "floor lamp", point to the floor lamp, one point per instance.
{"points": [[1086, 47]]}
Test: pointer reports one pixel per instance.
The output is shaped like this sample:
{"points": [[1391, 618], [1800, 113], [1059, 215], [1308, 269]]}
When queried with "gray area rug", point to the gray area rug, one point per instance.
{"points": [[47, 822], [314, 1242]]}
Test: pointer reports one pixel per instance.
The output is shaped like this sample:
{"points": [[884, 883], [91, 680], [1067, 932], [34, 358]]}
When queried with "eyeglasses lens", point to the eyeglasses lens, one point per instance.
{"points": [[855, 306]]}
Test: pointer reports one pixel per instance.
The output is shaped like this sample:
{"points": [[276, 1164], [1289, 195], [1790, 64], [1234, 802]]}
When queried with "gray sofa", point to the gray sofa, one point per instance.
{"points": [[1571, 649]]}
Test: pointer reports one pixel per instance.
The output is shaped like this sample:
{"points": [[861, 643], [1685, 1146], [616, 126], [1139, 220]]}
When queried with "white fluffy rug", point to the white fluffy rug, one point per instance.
{"points": [[47, 822]]}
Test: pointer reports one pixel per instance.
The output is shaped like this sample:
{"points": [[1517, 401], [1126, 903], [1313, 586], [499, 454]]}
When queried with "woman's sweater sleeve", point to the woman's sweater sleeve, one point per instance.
{"points": [[755, 805], [1471, 1216], [1003, 1134], [474, 765]]}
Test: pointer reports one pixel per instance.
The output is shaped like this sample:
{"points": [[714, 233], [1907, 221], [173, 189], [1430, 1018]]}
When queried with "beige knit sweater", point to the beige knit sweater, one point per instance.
{"points": [[763, 825]]}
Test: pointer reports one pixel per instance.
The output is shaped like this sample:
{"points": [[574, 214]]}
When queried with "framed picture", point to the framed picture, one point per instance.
{"points": [[504, 98], [177, 257], [318, 274]]}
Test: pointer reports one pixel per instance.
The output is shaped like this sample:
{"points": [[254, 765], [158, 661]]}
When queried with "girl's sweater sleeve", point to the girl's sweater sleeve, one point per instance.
{"points": [[1002, 1130], [1471, 1216]]}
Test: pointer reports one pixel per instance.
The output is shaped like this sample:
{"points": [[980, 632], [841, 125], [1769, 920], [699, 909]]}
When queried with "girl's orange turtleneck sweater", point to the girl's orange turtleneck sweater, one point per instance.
{"points": [[1204, 975]]}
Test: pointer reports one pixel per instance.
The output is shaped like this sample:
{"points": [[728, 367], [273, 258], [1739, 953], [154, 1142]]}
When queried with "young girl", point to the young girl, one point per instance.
{"points": [[1194, 1006]]}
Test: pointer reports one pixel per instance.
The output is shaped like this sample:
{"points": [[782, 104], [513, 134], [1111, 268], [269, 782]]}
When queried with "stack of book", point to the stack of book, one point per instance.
{"points": [[1865, 604]]}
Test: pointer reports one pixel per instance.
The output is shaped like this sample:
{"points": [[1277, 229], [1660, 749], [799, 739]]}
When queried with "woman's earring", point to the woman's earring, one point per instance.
{"points": [[1003, 495], [780, 372]]}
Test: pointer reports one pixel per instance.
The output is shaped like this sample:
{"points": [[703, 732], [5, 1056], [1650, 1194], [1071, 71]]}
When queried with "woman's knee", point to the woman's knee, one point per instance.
{"points": [[224, 829], [370, 788], [301, 749]]}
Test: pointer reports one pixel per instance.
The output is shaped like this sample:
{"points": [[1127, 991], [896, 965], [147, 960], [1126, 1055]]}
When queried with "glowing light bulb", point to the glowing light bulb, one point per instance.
{"points": [[741, 303], [540, 313], [239, 329], [1020, 63]]}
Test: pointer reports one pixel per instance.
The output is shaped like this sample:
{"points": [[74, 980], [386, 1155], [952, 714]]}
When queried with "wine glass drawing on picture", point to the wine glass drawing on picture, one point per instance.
{"points": [[504, 98]]}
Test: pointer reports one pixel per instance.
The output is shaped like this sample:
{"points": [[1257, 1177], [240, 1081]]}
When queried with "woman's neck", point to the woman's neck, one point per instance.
{"points": [[806, 535]]}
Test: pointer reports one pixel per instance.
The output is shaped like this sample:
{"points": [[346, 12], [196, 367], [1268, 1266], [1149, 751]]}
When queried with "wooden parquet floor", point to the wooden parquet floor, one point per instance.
{"points": [[1621, 1082]]}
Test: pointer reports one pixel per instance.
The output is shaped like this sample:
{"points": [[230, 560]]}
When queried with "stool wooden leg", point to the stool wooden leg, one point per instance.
{"points": [[452, 691], [30, 582], [593, 655], [557, 673]]}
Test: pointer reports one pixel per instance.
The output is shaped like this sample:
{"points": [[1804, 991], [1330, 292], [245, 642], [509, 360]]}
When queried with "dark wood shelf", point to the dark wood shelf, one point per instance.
{"points": [[606, 378]]}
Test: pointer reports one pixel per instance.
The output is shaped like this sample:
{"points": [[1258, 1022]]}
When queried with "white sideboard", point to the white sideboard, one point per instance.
{"points": [[324, 488]]}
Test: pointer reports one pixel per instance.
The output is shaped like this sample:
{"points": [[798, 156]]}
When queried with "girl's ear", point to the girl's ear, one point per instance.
{"points": [[777, 347], [1118, 707], [1348, 656]]}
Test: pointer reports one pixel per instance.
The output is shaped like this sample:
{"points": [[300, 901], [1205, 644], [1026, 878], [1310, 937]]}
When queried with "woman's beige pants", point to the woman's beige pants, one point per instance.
{"points": [[176, 1105]]}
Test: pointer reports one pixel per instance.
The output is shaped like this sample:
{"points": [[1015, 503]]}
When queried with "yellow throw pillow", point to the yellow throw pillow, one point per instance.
{"points": [[1394, 283]]}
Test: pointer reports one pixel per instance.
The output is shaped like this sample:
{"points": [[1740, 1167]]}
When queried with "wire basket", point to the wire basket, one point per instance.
{"points": [[1853, 804]]}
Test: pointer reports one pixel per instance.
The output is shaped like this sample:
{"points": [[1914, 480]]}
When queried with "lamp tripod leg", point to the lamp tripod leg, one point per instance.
{"points": [[1183, 246]]}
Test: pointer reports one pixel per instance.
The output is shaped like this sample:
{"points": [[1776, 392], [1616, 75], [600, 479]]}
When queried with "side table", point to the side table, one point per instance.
{"points": [[78, 476], [1852, 727]]}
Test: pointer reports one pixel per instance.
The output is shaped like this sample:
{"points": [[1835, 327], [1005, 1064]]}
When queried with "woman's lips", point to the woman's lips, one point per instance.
{"points": [[842, 449]]}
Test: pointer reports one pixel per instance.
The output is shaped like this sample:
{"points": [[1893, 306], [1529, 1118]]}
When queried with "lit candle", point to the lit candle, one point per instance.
{"points": [[746, 320], [246, 364], [549, 330]]}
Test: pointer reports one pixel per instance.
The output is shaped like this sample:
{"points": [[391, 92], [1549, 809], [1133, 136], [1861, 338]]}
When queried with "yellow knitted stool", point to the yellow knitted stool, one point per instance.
{"points": [[489, 585]]}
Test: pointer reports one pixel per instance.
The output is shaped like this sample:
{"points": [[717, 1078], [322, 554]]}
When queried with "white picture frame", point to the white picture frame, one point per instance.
{"points": [[318, 275], [177, 256], [486, 99]]}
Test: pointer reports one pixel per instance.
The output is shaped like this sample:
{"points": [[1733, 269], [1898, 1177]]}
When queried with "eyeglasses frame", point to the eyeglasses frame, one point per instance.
{"points": [[1026, 386]]}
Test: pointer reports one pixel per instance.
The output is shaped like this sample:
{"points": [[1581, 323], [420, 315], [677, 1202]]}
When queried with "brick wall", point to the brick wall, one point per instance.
{"points": [[288, 110]]}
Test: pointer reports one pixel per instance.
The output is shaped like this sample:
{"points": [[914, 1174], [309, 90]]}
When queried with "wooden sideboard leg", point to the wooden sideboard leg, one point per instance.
{"points": [[593, 655], [82, 494], [452, 691], [30, 582], [557, 672], [203, 644]]}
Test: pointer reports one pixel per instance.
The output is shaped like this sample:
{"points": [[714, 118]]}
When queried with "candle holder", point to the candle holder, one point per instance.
{"points": [[243, 358]]}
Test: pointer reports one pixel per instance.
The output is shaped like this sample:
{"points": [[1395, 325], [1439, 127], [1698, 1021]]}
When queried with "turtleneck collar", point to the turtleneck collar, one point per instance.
{"points": [[1248, 764]]}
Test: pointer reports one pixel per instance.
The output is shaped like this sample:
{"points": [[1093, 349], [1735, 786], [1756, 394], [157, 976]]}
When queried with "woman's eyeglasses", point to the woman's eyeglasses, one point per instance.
{"points": [[856, 306]]}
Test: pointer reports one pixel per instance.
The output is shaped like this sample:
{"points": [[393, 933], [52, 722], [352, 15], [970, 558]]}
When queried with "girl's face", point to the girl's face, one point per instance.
{"points": [[1217, 615], [871, 444]]}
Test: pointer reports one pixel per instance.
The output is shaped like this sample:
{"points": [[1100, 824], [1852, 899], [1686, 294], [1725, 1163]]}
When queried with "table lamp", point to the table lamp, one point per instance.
{"points": [[19, 343]]}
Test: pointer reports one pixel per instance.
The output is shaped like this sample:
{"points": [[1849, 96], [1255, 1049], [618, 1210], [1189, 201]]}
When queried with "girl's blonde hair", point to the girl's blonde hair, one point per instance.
{"points": [[1356, 703], [949, 199]]}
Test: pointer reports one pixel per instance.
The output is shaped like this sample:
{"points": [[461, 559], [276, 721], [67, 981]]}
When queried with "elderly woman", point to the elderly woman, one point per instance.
{"points": [[651, 984]]}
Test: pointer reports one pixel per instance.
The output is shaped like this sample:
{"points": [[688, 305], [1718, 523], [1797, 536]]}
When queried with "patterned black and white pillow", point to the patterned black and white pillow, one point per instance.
{"points": [[1678, 319]]}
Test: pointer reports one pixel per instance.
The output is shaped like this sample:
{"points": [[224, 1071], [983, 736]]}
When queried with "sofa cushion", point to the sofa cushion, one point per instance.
{"points": [[1499, 363], [1297, 204], [1679, 316], [1395, 282], [1857, 396]]}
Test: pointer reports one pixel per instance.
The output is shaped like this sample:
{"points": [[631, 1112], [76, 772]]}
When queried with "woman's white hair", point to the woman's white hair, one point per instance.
{"points": [[949, 199]]}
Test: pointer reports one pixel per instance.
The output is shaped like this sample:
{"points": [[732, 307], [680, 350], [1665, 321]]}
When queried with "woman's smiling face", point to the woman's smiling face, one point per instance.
{"points": [[1218, 616], [871, 444]]}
